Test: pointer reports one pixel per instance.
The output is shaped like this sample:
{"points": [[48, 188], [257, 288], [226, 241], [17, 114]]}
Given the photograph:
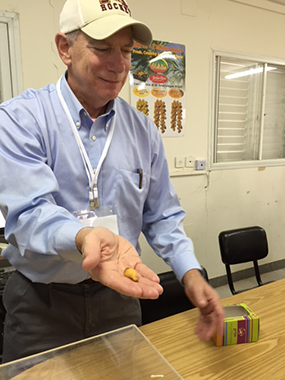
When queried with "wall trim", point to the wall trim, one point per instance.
{"points": [[246, 273]]}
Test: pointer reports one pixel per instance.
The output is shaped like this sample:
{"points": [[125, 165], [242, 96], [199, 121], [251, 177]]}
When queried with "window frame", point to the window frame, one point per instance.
{"points": [[214, 91], [11, 20]]}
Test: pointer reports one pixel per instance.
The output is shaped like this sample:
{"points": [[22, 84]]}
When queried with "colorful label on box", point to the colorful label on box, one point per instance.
{"points": [[238, 328]]}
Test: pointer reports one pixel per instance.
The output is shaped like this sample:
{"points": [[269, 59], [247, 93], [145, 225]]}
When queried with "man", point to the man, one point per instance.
{"points": [[76, 151]]}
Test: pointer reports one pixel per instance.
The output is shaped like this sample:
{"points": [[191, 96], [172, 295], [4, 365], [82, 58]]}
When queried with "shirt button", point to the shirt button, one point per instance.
{"points": [[93, 138], [77, 123]]}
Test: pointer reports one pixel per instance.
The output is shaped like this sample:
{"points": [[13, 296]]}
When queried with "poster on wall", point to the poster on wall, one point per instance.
{"points": [[157, 82]]}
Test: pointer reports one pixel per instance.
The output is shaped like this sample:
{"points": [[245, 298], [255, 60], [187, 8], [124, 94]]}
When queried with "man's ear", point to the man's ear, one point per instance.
{"points": [[63, 48]]}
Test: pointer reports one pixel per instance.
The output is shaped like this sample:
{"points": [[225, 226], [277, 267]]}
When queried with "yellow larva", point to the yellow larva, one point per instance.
{"points": [[132, 274]]}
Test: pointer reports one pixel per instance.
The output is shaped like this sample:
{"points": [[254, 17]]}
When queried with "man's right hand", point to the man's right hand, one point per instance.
{"points": [[107, 255]]}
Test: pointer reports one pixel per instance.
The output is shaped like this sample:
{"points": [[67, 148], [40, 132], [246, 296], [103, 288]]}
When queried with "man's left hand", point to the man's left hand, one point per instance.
{"points": [[205, 298]]}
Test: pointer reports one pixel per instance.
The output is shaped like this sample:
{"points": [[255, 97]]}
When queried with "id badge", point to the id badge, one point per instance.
{"points": [[102, 217]]}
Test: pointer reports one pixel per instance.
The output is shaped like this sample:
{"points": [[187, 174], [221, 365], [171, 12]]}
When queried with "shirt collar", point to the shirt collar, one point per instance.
{"points": [[78, 113]]}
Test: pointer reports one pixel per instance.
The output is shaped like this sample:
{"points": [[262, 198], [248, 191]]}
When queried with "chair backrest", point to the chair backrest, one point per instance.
{"points": [[243, 245], [172, 301], [2, 235]]}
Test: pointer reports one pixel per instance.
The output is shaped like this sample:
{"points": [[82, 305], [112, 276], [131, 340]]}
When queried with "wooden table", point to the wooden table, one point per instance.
{"points": [[132, 358], [175, 339]]}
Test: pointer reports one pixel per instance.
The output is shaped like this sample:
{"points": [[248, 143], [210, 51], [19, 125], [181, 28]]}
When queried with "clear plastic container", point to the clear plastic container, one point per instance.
{"points": [[118, 355]]}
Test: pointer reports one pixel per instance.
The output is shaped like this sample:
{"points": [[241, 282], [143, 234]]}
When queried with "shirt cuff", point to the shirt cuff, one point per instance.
{"points": [[65, 241], [183, 263]]}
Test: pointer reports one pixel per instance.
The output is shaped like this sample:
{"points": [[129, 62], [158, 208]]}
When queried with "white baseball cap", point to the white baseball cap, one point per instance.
{"points": [[99, 19]]}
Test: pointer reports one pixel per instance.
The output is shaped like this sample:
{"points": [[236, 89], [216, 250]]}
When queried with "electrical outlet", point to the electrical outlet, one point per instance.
{"points": [[179, 162], [200, 164], [190, 162]]}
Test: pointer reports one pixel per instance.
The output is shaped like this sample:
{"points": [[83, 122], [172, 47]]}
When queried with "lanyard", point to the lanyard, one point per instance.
{"points": [[91, 174]]}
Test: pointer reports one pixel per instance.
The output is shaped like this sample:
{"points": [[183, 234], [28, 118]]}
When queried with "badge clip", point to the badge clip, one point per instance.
{"points": [[93, 199]]}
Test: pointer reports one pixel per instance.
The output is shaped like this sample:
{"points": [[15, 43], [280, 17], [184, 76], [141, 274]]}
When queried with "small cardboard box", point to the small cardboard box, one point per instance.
{"points": [[241, 325]]}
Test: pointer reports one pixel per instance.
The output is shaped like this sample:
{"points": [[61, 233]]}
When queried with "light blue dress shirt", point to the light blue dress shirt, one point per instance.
{"points": [[43, 181]]}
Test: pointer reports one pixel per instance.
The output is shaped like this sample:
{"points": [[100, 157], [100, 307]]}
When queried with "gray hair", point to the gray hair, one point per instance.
{"points": [[72, 36]]}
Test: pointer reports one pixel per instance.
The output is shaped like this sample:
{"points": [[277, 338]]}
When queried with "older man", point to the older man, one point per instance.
{"points": [[75, 153]]}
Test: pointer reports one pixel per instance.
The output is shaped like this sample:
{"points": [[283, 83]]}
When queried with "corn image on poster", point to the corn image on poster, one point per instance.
{"points": [[157, 83]]}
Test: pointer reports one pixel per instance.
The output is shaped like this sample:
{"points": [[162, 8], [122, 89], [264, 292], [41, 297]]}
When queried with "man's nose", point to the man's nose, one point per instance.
{"points": [[117, 62]]}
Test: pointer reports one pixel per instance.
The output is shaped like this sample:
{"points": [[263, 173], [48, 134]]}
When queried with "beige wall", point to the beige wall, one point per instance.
{"points": [[219, 199]]}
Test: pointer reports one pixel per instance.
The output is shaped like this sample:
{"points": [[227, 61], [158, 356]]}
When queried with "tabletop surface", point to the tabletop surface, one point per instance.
{"points": [[175, 339]]}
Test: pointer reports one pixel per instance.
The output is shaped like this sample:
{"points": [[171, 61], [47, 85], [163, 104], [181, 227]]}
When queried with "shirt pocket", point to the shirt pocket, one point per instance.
{"points": [[129, 197]]}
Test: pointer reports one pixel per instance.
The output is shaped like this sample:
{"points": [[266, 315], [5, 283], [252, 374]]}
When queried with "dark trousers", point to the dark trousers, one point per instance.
{"points": [[40, 317]]}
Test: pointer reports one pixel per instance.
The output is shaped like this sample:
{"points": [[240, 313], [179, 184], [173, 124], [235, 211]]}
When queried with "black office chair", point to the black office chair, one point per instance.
{"points": [[172, 301], [243, 245]]}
